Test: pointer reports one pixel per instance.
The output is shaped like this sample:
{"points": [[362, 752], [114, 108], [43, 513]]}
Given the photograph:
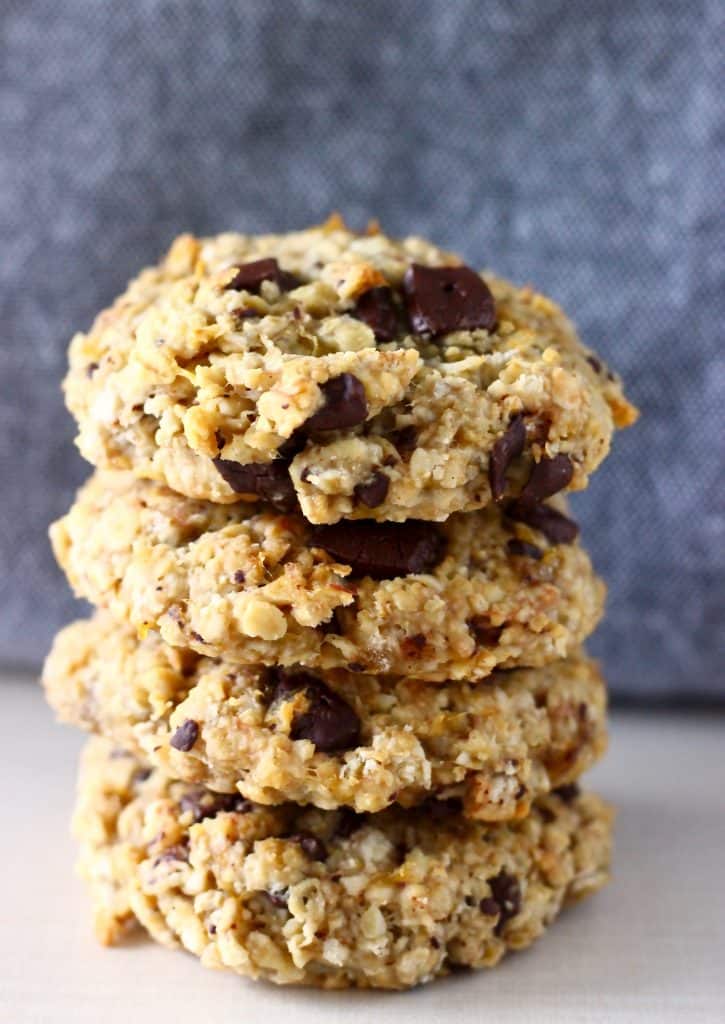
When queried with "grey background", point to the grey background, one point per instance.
{"points": [[578, 146]]}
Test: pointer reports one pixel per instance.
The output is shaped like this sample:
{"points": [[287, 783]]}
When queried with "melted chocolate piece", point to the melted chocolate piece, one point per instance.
{"points": [[249, 276], [382, 550], [345, 405], [556, 527], [444, 299], [376, 308], [268, 480], [548, 477], [506, 448]]}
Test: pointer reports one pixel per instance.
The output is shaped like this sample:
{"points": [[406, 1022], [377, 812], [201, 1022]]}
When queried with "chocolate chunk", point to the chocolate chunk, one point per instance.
{"points": [[329, 722], [556, 527], [568, 793], [489, 907], [594, 363], [524, 549], [506, 892], [405, 441], [374, 491], [506, 448], [344, 405], [311, 845], [443, 299], [239, 576], [185, 736], [382, 550], [548, 477], [376, 308], [268, 480], [486, 635], [249, 276], [203, 803]]}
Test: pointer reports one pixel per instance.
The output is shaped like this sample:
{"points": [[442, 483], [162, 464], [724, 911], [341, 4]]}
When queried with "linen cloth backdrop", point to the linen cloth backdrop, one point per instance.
{"points": [[575, 146]]}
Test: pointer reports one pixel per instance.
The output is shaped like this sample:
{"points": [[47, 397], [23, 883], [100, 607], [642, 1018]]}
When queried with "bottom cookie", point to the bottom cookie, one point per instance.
{"points": [[326, 898]]}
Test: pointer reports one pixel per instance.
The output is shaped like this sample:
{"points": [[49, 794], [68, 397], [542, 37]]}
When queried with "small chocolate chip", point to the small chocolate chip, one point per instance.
{"points": [[506, 448], [185, 736], [91, 369], [556, 527], [405, 441], [239, 576], [506, 892], [268, 480], [344, 404], [376, 308], [594, 363], [313, 847], [249, 276], [489, 907], [485, 634], [548, 477], [329, 722], [203, 803], [524, 549], [374, 491], [382, 550], [568, 793], [443, 299]]}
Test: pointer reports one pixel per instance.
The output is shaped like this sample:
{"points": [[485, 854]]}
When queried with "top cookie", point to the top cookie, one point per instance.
{"points": [[352, 376]]}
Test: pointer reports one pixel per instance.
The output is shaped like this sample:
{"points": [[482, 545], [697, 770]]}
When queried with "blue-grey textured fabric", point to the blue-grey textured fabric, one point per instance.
{"points": [[575, 146]]}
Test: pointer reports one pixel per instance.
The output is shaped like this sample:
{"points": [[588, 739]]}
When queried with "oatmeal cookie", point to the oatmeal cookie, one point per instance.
{"points": [[339, 739], [326, 898], [501, 587], [347, 375]]}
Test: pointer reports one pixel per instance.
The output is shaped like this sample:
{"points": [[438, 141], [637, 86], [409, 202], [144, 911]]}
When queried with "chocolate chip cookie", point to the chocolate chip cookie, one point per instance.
{"points": [[504, 586], [338, 739], [345, 375], [326, 898]]}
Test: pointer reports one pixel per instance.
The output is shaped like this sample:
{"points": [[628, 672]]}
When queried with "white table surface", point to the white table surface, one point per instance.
{"points": [[651, 947]]}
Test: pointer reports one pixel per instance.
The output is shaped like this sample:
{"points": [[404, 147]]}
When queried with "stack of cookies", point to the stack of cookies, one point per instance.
{"points": [[336, 672]]}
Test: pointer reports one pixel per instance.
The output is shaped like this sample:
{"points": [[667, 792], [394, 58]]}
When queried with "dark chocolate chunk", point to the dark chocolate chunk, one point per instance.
{"points": [[268, 480], [486, 635], [185, 736], [239, 576], [311, 845], [443, 299], [329, 722], [382, 550], [548, 477], [556, 527], [249, 276], [489, 907], [345, 404], [374, 491], [405, 441], [506, 892], [568, 793], [506, 448], [203, 803], [594, 363], [376, 308], [523, 549]]}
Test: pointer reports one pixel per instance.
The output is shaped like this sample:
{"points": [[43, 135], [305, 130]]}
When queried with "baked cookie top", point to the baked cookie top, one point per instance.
{"points": [[346, 375], [500, 587], [332, 739], [326, 898]]}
